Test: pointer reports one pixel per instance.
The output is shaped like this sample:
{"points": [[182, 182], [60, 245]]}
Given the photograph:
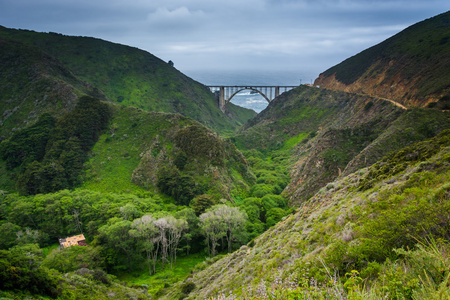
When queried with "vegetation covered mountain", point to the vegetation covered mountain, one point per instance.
{"points": [[123, 148], [327, 134], [132, 77], [33, 83], [411, 67], [156, 193], [381, 232]]}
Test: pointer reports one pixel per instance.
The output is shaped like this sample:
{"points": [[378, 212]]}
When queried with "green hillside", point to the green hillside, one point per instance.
{"points": [[304, 111], [119, 149], [412, 67], [133, 77], [347, 242], [140, 147], [34, 82], [326, 134], [335, 195]]}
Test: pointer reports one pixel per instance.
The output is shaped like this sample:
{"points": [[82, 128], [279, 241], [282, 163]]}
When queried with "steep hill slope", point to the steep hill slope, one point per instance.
{"points": [[166, 151], [304, 111], [412, 67], [110, 148], [331, 133], [33, 82], [133, 77], [350, 226]]}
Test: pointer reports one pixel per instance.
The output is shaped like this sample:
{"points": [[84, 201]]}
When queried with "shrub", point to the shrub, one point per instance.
{"points": [[202, 202], [19, 273], [101, 276], [187, 287]]}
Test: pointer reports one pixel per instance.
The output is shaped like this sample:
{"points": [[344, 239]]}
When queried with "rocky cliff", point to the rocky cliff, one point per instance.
{"points": [[411, 68]]}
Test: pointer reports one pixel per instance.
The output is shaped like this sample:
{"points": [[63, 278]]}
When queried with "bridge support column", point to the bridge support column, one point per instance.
{"points": [[222, 98], [277, 91]]}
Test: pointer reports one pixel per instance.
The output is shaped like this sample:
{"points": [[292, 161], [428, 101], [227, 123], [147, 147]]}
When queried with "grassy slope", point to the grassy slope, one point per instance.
{"points": [[134, 77], [341, 151], [138, 143], [344, 227], [306, 110], [411, 67], [158, 283], [33, 82]]}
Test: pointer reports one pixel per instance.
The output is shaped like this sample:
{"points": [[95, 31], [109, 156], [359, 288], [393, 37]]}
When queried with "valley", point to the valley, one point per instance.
{"points": [[331, 192]]}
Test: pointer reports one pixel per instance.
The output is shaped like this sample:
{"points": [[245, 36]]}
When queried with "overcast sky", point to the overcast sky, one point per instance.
{"points": [[230, 34]]}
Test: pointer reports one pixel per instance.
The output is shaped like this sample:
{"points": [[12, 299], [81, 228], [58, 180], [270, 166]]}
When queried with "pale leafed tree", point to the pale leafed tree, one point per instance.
{"points": [[76, 220], [213, 228], [28, 236], [234, 220], [129, 212], [145, 231], [163, 225], [175, 229]]}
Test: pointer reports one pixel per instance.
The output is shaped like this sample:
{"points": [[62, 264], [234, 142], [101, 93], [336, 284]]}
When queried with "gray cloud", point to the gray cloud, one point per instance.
{"points": [[208, 34]]}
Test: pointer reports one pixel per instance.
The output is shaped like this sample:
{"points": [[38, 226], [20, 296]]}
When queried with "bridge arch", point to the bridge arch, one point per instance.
{"points": [[224, 93], [246, 88]]}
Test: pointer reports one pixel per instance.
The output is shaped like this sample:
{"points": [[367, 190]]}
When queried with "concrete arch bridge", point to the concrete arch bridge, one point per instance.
{"points": [[224, 93]]}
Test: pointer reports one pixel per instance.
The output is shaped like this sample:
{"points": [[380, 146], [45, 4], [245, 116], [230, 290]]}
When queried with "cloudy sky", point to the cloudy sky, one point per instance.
{"points": [[230, 34]]}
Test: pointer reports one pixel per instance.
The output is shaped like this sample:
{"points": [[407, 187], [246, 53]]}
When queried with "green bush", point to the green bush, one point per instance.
{"points": [[19, 273], [73, 258], [260, 190], [187, 287], [201, 203]]}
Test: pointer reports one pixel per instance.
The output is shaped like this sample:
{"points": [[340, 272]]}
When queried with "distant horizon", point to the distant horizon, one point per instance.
{"points": [[250, 77]]}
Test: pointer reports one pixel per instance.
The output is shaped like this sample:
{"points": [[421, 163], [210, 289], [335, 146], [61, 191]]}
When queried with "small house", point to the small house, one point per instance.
{"points": [[76, 240]]}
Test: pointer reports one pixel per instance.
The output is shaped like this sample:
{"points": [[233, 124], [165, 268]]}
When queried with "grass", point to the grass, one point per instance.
{"points": [[48, 249], [117, 153], [293, 141], [166, 278]]}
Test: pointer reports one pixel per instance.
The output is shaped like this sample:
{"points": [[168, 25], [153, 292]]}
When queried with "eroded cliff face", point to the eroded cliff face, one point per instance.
{"points": [[411, 67], [377, 82], [325, 157]]}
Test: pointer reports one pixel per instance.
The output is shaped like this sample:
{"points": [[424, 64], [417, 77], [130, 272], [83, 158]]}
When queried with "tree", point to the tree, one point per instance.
{"points": [[222, 221], [129, 212], [202, 202], [73, 258], [163, 225], [8, 238], [192, 220], [20, 273], [176, 227], [147, 233], [213, 228], [28, 236], [234, 220], [117, 236]]}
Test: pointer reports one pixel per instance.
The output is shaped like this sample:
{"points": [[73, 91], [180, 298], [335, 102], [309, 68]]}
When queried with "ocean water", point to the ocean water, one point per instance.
{"points": [[246, 98]]}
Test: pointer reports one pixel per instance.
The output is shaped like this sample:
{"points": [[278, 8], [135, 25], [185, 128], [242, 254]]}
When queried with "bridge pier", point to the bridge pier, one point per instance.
{"points": [[222, 102]]}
